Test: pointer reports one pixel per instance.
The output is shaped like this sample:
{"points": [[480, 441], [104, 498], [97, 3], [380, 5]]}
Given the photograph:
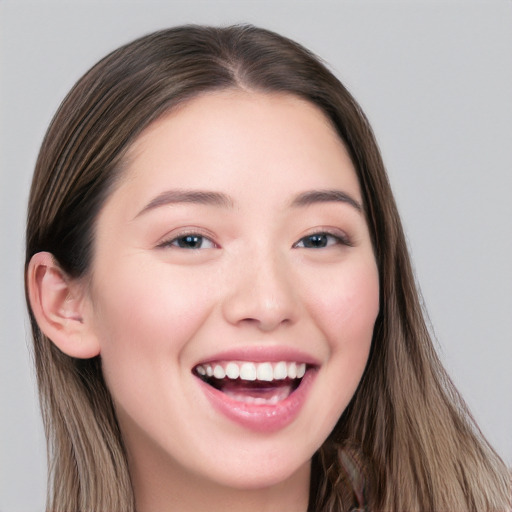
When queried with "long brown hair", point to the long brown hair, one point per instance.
{"points": [[406, 442]]}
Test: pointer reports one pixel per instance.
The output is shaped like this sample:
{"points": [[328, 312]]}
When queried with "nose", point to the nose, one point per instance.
{"points": [[261, 293]]}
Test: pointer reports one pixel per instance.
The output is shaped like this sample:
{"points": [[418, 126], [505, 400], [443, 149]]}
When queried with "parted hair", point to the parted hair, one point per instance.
{"points": [[405, 443]]}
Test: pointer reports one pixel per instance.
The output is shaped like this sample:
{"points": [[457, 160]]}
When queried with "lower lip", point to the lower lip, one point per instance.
{"points": [[258, 417]]}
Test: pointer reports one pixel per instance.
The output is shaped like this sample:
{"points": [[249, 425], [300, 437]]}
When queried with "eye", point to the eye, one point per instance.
{"points": [[321, 240], [190, 241]]}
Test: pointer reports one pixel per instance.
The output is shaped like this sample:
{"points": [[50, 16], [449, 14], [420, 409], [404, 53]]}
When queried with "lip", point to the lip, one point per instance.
{"points": [[262, 354], [259, 417]]}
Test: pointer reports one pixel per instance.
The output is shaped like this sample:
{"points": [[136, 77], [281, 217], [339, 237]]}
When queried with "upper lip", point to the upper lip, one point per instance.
{"points": [[261, 354]]}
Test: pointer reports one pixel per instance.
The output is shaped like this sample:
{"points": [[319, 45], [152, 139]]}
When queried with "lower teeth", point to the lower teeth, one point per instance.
{"points": [[276, 396]]}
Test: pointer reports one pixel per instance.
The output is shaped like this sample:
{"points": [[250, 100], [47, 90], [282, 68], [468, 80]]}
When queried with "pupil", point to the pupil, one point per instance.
{"points": [[190, 241], [316, 241]]}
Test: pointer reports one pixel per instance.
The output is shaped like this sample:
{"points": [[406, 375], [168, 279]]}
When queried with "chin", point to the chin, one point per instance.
{"points": [[269, 471]]}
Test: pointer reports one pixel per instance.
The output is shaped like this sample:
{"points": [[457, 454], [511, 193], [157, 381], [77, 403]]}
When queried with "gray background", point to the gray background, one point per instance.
{"points": [[435, 79]]}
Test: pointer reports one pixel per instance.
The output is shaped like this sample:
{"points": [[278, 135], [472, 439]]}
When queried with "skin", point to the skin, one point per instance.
{"points": [[155, 310]]}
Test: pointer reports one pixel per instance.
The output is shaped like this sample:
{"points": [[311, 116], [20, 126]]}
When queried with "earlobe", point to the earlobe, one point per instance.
{"points": [[58, 305]]}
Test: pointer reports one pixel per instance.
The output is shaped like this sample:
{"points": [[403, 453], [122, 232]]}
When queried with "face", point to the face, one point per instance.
{"points": [[234, 289]]}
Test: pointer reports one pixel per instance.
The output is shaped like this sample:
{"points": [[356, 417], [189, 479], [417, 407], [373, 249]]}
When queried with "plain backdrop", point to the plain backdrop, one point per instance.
{"points": [[435, 79]]}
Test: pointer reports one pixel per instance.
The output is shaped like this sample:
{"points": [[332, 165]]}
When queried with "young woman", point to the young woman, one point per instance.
{"points": [[222, 303]]}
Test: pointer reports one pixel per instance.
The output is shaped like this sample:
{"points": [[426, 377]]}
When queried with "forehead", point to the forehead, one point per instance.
{"points": [[240, 140]]}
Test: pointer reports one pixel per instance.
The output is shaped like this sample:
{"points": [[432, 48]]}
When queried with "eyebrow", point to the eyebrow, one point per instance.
{"points": [[325, 196], [188, 196], [219, 199]]}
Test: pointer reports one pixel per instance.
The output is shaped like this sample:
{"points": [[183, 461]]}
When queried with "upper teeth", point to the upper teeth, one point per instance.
{"points": [[253, 371]]}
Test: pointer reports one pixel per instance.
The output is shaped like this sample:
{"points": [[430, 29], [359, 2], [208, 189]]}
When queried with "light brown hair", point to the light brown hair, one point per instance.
{"points": [[406, 442]]}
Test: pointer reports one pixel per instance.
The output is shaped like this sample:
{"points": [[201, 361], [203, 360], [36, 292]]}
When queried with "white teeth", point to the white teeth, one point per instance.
{"points": [[280, 371], [277, 396], [248, 371], [265, 372], [232, 371], [292, 371], [219, 372]]}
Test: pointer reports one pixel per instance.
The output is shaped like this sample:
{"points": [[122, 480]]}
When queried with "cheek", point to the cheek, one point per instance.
{"points": [[151, 298], [144, 318], [347, 306], [344, 308]]}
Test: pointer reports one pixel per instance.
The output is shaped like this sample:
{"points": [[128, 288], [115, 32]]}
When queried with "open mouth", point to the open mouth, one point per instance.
{"points": [[265, 383]]}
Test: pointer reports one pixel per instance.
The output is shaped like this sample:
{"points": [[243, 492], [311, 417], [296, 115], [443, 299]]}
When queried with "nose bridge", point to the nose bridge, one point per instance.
{"points": [[261, 291]]}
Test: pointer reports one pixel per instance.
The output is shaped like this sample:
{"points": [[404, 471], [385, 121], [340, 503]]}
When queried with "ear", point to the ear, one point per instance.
{"points": [[59, 305]]}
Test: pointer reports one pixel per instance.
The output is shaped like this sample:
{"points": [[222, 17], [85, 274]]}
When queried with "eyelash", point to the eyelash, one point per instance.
{"points": [[174, 241], [338, 238]]}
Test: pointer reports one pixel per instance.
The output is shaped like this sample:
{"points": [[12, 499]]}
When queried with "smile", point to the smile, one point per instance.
{"points": [[252, 371], [256, 383], [263, 396]]}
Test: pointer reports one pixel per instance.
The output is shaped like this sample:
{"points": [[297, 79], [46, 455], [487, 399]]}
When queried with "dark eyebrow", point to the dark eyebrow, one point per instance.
{"points": [[188, 196], [326, 196]]}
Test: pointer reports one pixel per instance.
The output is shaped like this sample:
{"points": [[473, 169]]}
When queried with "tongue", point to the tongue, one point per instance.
{"points": [[256, 392]]}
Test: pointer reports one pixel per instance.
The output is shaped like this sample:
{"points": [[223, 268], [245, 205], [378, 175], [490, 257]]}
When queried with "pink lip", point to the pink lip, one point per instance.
{"points": [[257, 417], [260, 354]]}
